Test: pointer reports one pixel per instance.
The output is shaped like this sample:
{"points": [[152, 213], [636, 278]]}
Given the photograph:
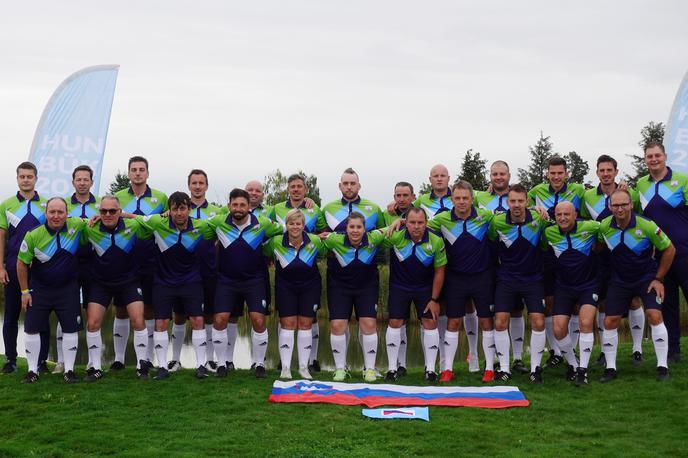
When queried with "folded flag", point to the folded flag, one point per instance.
{"points": [[374, 395], [408, 413]]}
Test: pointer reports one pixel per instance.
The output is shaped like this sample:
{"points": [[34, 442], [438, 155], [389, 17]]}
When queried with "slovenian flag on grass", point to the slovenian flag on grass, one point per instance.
{"points": [[374, 395]]}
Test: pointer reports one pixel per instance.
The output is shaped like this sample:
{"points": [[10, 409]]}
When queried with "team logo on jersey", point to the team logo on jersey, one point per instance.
{"points": [[428, 246], [638, 232], [534, 224], [674, 183], [368, 208], [71, 231], [195, 231], [211, 214], [154, 200], [310, 246], [595, 297], [127, 231], [310, 210], [478, 218], [24, 247], [43, 204], [97, 205], [584, 233]]}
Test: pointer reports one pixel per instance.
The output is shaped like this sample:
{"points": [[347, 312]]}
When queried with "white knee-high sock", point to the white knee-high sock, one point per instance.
{"points": [[517, 330], [660, 339], [286, 347], [392, 338], [150, 327], [219, 338], [209, 345], [259, 345], [600, 323], [70, 345], [636, 321], [431, 347], [502, 343], [120, 333], [537, 348], [441, 329], [338, 344], [198, 340], [315, 339], [94, 342], [178, 335], [587, 340], [304, 339], [140, 346], [160, 342], [369, 342], [33, 348], [574, 330], [403, 339], [451, 344], [232, 329], [58, 343], [610, 341], [566, 347], [470, 325], [551, 340], [489, 349]]}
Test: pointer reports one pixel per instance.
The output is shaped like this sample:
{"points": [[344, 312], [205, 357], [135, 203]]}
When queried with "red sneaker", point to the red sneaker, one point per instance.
{"points": [[488, 376], [446, 376]]}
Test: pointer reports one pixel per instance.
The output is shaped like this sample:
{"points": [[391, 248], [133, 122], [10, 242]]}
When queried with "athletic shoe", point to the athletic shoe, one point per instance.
{"points": [[315, 366], [581, 376], [260, 371], [143, 372], [43, 368], [201, 372], [303, 372], [501, 376], [70, 377], [431, 376], [391, 376], [473, 364], [230, 366], [58, 369], [93, 375], [674, 358], [211, 366], [174, 366], [221, 371], [662, 374], [519, 368], [570, 373], [608, 376], [162, 374], [10, 367], [401, 371], [601, 360], [285, 373], [116, 366], [369, 375], [536, 377], [553, 360], [637, 358], [339, 375], [488, 376], [30, 377], [446, 376]]}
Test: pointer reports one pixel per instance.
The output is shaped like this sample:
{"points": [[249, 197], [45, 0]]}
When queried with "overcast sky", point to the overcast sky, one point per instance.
{"points": [[389, 88]]}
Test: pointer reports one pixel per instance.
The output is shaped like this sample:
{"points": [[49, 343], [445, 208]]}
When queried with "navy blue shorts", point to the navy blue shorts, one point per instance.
{"points": [[508, 292], [400, 300], [186, 299], [146, 282], [63, 300], [84, 284], [304, 301], [549, 283], [565, 299], [459, 288], [604, 278], [209, 287], [230, 297], [119, 295], [342, 301], [619, 297]]}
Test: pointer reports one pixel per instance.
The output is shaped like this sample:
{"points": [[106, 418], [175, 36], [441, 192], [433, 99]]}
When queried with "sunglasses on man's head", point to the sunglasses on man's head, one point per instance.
{"points": [[109, 211]]}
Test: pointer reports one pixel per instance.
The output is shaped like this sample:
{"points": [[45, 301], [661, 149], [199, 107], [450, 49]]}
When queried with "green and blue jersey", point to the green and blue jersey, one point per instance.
{"points": [[350, 267], [313, 217], [491, 201], [596, 203], [396, 214], [206, 250], [85, 210], [433, 204], [337, 211], [576, 263], [412, 265], [17, 217], [262, 210], [543, 195], [295, 267]]}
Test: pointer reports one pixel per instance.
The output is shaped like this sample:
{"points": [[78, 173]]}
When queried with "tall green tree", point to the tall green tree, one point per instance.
{"points": [[425, 188], [474, 170], [577, 166], [120, 182], [540, 154], [275, 187], [653, 131]]}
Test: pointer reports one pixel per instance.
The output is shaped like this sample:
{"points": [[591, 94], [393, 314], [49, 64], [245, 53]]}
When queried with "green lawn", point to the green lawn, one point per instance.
{"points": [[632, 416]]}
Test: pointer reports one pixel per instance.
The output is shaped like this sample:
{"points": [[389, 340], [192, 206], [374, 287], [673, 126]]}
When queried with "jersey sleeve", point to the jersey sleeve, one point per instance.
{"points": [[584, 213], [531, 198], [269, 246], [440, 253], [206, 229], [26, 253], [658, 238], [165, 207], [150, 223], [635, 200], [3, 216], [272, 228], [434, 224], [377, 237], [320, 223]]}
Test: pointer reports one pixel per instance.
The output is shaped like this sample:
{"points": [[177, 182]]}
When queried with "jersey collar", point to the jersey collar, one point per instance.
{"points": [[630, 223], [473, 214], [424, 239], [146, 193], [561, 191], [203, 205], [364, 240], [667, 177], [285, 240], [21, 198], [357, 200], [53, 232], [91, 199], [573, 231], [447, 194], [120, 226], [529, 217], [288, 204], [189, 225]]}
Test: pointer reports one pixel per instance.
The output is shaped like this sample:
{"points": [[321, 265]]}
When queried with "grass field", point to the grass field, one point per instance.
{"points": [[632, 416]]}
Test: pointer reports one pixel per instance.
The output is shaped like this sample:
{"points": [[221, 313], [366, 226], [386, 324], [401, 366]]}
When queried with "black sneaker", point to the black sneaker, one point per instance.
{"points": [[143, 372], [43, 368], [315, 367], [553, 360], [162, 374], [30, 377], [70, 377], [10, 367], [570, 373], [116, 366], [221, 371], [230, 366], [581, 376], [674, 358], [637, 358], [536, 377], [519, 368], [501, 376], [601, 360], [211, 366], [201, 372], [431, 376], [608, 376], [392, 376], [663, 374], [93, 375], [401, 371], [260, 371]]}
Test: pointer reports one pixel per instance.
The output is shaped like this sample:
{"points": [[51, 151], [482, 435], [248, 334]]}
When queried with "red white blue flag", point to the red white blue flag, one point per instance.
{"points": [[396, 413], [374, 395]]}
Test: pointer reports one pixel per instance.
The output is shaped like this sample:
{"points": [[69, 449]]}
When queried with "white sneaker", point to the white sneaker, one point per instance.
{"points": [[303, 372], [474, 364], [174, 366], [286, 373], [59, 368]]}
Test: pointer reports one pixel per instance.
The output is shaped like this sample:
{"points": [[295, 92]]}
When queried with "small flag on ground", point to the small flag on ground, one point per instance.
{"points": [[407, 413], [374, 395]]}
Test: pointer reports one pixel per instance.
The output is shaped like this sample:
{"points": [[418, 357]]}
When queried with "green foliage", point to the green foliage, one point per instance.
{"points": [[120, 182], [425, 188], [276, 187], [474, 170], [539, 155], [653, 131], [577, 166]]}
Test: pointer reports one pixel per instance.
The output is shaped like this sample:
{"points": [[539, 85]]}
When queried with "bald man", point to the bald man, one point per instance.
{"points": [[254, 188], [576, 282]]}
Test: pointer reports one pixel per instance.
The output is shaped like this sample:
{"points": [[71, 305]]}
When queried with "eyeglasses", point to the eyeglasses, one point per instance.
{"points": [[109, 211], [617, 206]]}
